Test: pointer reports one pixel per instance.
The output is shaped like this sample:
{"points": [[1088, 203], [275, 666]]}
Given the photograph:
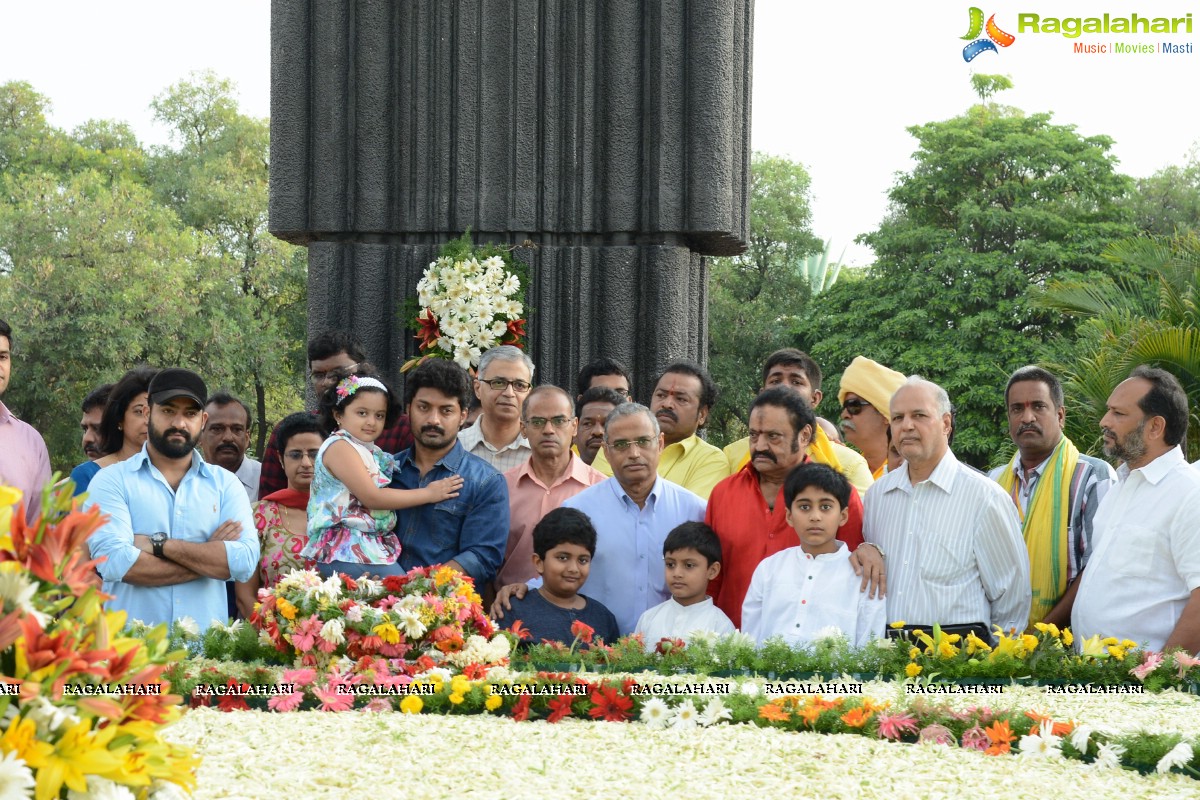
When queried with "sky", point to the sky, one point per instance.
{"points": [[835, 85]]}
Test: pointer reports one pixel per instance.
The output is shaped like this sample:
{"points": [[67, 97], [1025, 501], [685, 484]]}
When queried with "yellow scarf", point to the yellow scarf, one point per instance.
{"points": [[820, 449], [1047, 526]]}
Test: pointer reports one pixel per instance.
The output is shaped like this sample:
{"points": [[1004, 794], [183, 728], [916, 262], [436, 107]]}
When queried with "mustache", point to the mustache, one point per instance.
{"points": [[1030, 427], [764, 454], [180, 431], [666, 412], [433, 429], [847, 425]]}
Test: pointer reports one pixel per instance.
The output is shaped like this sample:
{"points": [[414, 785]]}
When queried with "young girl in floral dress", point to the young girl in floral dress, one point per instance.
{"points": [[351, 513]]}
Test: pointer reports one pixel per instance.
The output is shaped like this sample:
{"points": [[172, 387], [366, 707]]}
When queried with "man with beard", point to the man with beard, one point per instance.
{"points": [[1142, 581], [683, 397], [592, 410], [178, 526], [89, 423], [226, 437], [747, 509], [1055, 488], [468, 532]]}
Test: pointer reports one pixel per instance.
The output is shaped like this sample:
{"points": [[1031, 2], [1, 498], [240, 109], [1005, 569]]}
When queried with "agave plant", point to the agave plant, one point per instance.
{"points": [[821, 274], [1149, 315]]}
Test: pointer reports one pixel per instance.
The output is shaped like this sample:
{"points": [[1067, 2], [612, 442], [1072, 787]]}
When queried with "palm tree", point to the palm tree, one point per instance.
{"points": [[1149, 315]]}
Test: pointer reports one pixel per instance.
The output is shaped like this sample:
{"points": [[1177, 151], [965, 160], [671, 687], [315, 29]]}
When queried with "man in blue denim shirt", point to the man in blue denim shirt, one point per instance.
{"points": [[468, 532]]}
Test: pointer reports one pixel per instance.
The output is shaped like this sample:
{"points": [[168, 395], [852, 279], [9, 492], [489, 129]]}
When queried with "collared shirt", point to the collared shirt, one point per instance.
{"points": [[513, 454], [1089, 483], [24, 462], [798, 596], [955, 554], [691, 463], [137, 499], [470, 529], [853, 465], [627, 573], [528, 501], [248, 474], [750, 531], [1146, 554], [670, 620], [272, 478]]}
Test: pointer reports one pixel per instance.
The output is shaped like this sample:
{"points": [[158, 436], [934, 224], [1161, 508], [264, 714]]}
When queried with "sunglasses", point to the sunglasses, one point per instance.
{"points": [[855, 407]]}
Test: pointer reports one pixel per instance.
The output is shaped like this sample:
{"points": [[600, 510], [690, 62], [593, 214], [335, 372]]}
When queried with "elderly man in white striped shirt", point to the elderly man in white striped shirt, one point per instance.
{"points": [[955, 555]]}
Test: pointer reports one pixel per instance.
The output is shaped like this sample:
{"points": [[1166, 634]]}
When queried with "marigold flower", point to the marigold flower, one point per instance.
{"points": [[773, 713], [857, 717], [493, 702], [912, 670], [411, 704]]}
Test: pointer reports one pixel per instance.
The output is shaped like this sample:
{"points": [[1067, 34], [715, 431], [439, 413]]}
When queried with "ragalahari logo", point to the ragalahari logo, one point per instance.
{"points": [[995, 36]]}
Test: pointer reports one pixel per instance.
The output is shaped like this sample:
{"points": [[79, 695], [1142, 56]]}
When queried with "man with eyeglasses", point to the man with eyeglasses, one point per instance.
{"points": [[226, 437], [796, 370], [505, 373], [329, 353], [683, 396], [865, 390], [747, 509], [551, 475], [633, 512]]}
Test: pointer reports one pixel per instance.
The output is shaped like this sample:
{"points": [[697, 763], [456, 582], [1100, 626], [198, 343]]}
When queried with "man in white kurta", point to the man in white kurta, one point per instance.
{"points": [[955, 555], [799, 596], [1142, 581]]}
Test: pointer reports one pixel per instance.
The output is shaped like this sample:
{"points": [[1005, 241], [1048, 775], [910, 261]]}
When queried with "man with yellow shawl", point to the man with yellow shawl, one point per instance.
{"points": [[1055, 488], [796, 370]]}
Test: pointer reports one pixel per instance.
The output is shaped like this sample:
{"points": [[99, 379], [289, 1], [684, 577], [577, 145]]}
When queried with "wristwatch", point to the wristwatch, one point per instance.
{"points": [[157, 540]]}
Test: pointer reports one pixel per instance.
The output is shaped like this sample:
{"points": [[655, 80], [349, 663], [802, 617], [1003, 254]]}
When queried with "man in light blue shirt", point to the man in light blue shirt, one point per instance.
{"points": [[178, 527], [633, 512]]}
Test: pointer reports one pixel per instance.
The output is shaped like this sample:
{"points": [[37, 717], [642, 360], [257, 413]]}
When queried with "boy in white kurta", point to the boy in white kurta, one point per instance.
{"points": [[802, 591], [692, 558]]}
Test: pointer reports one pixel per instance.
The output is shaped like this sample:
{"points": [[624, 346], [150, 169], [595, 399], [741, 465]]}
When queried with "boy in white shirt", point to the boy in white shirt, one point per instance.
{"points": [[692, 558], [802, 590]]}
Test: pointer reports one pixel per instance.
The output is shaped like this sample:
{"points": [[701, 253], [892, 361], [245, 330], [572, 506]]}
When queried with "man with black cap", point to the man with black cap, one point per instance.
{"points": [[178, 526]]}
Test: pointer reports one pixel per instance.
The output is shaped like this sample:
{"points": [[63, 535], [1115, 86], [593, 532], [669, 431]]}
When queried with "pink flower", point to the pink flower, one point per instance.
{"points": [[385, 604], [306, 633], [893, 726], [332, 696], [936, 734], [300, 677], [1184, 661], [974, 738], [285, 702], [378, 704], [1150, 662]]}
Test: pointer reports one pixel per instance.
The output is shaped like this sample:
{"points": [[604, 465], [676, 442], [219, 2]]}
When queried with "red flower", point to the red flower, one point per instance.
{"points": [[520, 711], [350, 584], [515, 333], [582, 631], [427, 331], [519, 630], [234, 701], [666, 646], [610, 705], [560, 707], [475, 672], [394, 583]]}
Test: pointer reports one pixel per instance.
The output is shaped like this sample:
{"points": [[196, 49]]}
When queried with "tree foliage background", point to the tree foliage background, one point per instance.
{"points": [[113, 254]]}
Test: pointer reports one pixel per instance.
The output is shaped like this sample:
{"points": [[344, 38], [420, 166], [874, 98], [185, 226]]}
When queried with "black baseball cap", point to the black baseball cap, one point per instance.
{"points": [[175, 382]]}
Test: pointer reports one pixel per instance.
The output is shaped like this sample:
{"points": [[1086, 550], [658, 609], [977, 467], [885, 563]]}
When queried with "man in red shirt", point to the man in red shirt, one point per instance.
{"points": [[747, 509]]}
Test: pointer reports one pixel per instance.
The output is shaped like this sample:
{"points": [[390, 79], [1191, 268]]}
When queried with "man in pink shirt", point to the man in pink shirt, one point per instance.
{"points": [[551, 475], [24, 462]]}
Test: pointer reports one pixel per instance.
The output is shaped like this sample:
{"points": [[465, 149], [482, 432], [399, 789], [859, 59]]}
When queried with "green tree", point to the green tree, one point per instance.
{"points": [[998, 202], [216, 180], [1168, 202], [754, 298], [1147, 312]]}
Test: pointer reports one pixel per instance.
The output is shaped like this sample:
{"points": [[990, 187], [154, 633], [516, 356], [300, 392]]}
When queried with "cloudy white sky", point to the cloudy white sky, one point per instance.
{"points": [[835, 84]]}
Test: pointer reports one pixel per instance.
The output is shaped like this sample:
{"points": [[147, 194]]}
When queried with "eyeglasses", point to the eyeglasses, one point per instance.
{"points": [[500, 384], [540, 422], [642, 442], [774, 437], [319, 376], [300, 455], [855, 407]]}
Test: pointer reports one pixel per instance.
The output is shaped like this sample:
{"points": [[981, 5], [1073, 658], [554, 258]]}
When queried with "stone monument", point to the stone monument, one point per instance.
{"points": [[611, 136]]}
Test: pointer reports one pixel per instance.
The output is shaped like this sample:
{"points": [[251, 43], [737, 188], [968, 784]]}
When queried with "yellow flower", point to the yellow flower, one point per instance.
{"points": [[286, 609], [975, 643], [1127, 644], [1117, 652], [388, 632], [1067, 637], [456, 698], [1094, 647], [443, 575], [914, 652], [411, 704], [913, 670], [947, 650], [1029, 642], [77, 754], [897, 625], [460, 685], [494, 702], [1108, 641], [1047, 627], [21, 737]]}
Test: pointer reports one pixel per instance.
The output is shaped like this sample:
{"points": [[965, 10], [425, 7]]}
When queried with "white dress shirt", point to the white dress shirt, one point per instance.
{"points": [[955, 554], [1146, 554], [798, 596], [670, 620], [513, 454], [247, 475]]}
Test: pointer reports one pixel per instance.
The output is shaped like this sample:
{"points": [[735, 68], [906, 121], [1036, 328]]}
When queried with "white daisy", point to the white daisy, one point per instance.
{"points": [[1109, 756], [714, 712], [1179, 756], [101, 789], [655, 713], [16, 779], [187, 626], [1080, 736], [1043, 744], [686, 716]]}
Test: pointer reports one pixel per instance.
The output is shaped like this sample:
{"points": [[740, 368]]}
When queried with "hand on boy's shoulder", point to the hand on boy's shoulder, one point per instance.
{"points": [[504, 598]]}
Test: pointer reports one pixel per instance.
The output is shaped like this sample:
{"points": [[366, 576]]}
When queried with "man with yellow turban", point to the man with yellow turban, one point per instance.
{"points": [[865, 390]]}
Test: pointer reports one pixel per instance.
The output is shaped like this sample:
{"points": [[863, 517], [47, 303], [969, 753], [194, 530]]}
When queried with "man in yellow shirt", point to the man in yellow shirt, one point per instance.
{"points": [[682, 399], [796, 370]]}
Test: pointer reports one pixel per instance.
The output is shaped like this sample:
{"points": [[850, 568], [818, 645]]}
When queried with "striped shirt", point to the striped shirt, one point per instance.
{"points": [[1089, 483], [512, 455], [954, 549]]}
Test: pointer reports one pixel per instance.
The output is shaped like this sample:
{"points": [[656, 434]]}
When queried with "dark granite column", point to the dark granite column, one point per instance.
{"points": [[613, 135]]}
